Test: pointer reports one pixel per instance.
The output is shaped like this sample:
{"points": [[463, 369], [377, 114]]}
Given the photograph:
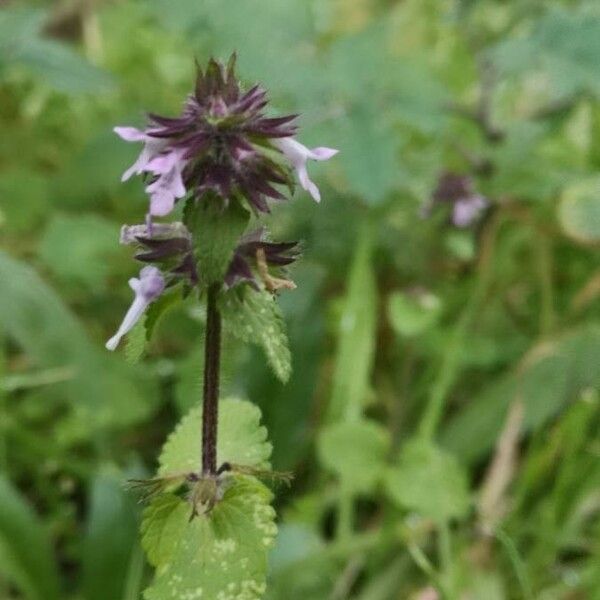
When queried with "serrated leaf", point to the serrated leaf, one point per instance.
{"points": [[216, 231], [222, 553], [579, 210], [429, 481], [162, 526], [135, 345], [255, 317], [219, 555], [356, 452], [240, 439]]}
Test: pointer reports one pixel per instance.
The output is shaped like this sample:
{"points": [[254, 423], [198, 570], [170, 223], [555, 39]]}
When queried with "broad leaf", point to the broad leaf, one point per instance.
{"points": [[429, 481], [222, 553], [240, 440], [219, 555], [356, 452]]}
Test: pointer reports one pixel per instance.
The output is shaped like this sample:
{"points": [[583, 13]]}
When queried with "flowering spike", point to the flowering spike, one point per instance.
{"points": [[220, 143]]}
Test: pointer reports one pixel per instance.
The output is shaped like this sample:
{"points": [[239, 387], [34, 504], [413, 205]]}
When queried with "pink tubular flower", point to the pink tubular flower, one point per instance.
{"points": [[168, 185], [164, 162], [152, 148], [298, 154], [147, 288]]}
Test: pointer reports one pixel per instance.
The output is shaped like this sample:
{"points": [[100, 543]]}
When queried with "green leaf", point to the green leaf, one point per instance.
{"points": [[548, 377], [103, 391], [55, 63], [162, 527], [111, 537], [216, 232], [62, 68], [579, 210], [355, 452], [26, 559], [412, 315], [135, 344], [356, 337], [25, 202], [75, 248], [219, 555], [255, 317], [565, 46], [157, 310], [429, 481], [222, 553], [240, 440]]}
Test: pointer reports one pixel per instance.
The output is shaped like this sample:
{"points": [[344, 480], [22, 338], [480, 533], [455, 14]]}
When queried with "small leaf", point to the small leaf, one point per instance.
{"points": [[255, 317], [356, 452], [241, 439], [412, 315], [579, 210], [93, 239], [136, 342], [216, 231], [429, 481], [157, 309], [219, 555]]}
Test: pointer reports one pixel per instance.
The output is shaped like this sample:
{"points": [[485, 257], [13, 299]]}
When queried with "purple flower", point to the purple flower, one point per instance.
{"points": [[147, 288], [165, 164], [152, 148], [467, 210], [167, 186], [458, 191], [298, 154], [220, 143]]}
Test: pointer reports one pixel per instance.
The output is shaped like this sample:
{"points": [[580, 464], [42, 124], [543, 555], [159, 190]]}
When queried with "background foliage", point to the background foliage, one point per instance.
{"points": [[442, 414]]}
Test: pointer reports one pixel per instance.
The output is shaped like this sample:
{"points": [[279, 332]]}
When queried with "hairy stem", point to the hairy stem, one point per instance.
{"points": [[210, 399]]}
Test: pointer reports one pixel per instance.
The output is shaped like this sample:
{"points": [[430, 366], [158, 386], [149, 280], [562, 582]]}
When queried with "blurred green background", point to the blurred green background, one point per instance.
{"points": [[442, 418]]}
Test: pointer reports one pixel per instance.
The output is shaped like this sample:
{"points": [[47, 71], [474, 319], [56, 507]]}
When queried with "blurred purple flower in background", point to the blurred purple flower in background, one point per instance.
{"points": [[458, 191]]}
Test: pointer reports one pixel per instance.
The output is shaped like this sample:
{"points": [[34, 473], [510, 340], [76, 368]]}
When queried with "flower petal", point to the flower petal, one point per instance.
{"points": [[147, 288]]}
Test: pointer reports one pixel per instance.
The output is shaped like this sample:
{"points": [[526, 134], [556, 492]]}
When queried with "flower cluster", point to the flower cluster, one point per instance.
{"points": [[458, 191], [223, 146]]}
